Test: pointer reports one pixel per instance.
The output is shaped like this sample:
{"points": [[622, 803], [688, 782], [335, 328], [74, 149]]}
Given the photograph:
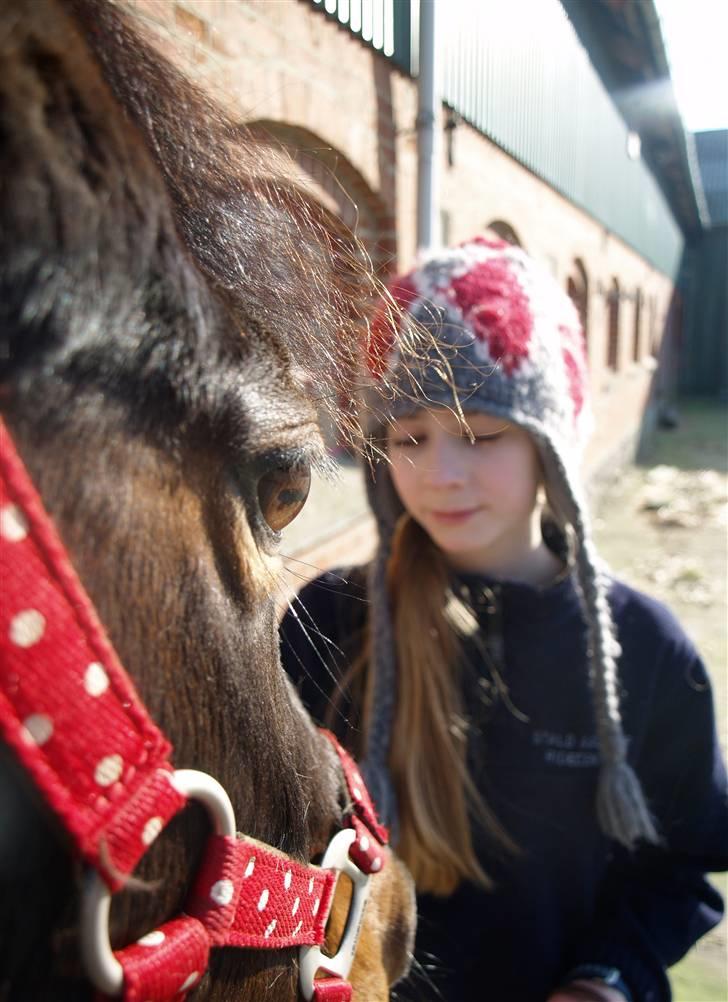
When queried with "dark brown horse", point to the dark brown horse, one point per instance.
{"points": [[165, 302]]}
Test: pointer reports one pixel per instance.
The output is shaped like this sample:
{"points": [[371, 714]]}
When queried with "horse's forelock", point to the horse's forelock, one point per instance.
{"points": [[272, 248]]}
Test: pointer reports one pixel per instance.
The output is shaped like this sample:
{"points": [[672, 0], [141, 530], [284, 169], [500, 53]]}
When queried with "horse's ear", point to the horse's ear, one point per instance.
{"points": [[77, 182], [239, 209]]}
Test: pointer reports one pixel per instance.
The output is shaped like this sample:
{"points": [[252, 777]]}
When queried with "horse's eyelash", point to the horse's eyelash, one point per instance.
{"points": [[286, 456]]}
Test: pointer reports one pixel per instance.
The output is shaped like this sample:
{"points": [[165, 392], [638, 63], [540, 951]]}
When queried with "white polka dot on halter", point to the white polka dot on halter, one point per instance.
{"points": [[356, 792], [221, 892], [27, 627], [95, 679], [363, 843], [153, 938], [298, 928], [310, 885], [250, 867], [287, 879], [376, 864], [188, 982], [151, 829], [38, 728], [314, 910], [270, 928], [13, 523], [108, 770], [263, 900], [296, 903]]}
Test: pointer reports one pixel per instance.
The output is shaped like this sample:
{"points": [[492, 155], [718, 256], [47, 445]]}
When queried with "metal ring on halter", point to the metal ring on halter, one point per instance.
{"points": [[311, 958], [103, 969]]}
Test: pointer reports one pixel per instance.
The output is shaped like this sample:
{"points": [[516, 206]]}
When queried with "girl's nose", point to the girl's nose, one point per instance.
{"points": [[443, 467]]}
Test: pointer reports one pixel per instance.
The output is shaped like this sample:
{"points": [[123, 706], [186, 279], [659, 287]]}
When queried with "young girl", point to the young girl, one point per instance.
{"points": [[540, 736]]}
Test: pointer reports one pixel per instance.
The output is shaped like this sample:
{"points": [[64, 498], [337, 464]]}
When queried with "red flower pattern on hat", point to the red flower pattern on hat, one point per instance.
{"points": [[497, 310], [494, 243], [574, 358]]}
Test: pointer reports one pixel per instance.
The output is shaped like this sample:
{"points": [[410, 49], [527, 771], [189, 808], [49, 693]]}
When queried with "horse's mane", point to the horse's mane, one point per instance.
{"points": [[284, 265]]}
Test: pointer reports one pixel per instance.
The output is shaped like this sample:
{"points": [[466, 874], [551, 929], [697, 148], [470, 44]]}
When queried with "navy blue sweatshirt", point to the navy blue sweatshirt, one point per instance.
{"points": [[570, 897]]}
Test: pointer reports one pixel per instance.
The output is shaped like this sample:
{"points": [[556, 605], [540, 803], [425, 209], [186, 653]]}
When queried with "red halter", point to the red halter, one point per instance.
{"points": [[71, 714]]}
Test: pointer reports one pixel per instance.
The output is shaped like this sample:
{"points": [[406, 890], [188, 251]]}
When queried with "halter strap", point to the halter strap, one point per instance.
{"points": [[74, 719]]}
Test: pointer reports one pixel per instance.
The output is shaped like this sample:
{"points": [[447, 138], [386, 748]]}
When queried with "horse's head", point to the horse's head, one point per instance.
{"points": [[166, 301]]}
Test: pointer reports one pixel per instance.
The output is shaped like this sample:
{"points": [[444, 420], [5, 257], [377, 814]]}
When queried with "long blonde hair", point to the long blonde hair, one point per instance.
{"points": [[436, 795]]}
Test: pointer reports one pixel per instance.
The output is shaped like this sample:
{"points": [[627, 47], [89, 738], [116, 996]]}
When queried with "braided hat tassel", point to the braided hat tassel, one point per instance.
{"points": [[621, 807]]}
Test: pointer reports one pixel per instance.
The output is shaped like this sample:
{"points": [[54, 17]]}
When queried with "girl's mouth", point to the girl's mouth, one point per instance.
{"points": [[453, 516]]}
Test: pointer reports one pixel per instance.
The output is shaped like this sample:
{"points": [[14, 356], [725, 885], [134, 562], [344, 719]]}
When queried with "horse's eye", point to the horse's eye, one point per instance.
{"points": [[282, 493]]}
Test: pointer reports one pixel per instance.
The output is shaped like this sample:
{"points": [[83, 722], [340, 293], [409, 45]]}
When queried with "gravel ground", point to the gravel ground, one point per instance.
{"points": [[662, 526]]}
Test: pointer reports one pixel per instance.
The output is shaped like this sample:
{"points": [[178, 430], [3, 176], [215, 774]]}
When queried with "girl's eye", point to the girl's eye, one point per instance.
{"points": [[282, 493], [408, 441], [488, 438]]}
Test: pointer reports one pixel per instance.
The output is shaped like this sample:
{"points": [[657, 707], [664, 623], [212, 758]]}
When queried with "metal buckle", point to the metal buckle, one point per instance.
{"points": [[311, 958], [103, 969]]}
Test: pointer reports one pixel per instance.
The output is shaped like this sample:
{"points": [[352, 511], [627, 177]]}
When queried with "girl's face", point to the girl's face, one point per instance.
{"points": [[478, 501]]}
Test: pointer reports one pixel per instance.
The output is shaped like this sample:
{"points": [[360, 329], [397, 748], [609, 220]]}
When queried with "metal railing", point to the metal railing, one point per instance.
{"points": [[383, 24]]}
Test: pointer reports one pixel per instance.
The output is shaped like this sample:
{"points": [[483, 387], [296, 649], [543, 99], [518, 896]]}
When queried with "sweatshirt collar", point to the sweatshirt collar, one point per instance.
{"points": [[516, 596]]}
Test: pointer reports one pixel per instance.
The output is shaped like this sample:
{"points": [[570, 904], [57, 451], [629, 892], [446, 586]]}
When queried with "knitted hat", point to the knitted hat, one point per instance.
{"points": [[506, 340]]}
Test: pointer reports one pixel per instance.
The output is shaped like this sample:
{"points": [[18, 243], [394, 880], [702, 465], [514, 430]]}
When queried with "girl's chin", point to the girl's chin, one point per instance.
{"points": [[461, 552]]}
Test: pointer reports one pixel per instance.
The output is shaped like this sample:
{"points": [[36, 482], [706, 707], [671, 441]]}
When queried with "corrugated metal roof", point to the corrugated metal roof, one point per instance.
{"points": [[712, 151]]}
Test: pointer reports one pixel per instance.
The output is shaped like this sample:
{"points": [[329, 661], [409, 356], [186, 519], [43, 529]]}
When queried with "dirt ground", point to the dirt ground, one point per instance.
{"points": [[662, 526]]}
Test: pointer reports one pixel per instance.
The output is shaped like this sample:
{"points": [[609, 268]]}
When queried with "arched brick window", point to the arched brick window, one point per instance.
{"points": [[339, 186], [613, 326], [577, 287], [504, 231], [637, 334], [654, 339]]}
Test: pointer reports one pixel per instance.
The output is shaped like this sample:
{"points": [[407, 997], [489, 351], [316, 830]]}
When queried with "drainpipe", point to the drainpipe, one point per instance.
{"points": [[428, 133]]}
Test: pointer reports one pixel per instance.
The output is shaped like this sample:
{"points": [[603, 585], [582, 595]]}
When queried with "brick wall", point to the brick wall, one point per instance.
{"points": [[333, 100]]}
